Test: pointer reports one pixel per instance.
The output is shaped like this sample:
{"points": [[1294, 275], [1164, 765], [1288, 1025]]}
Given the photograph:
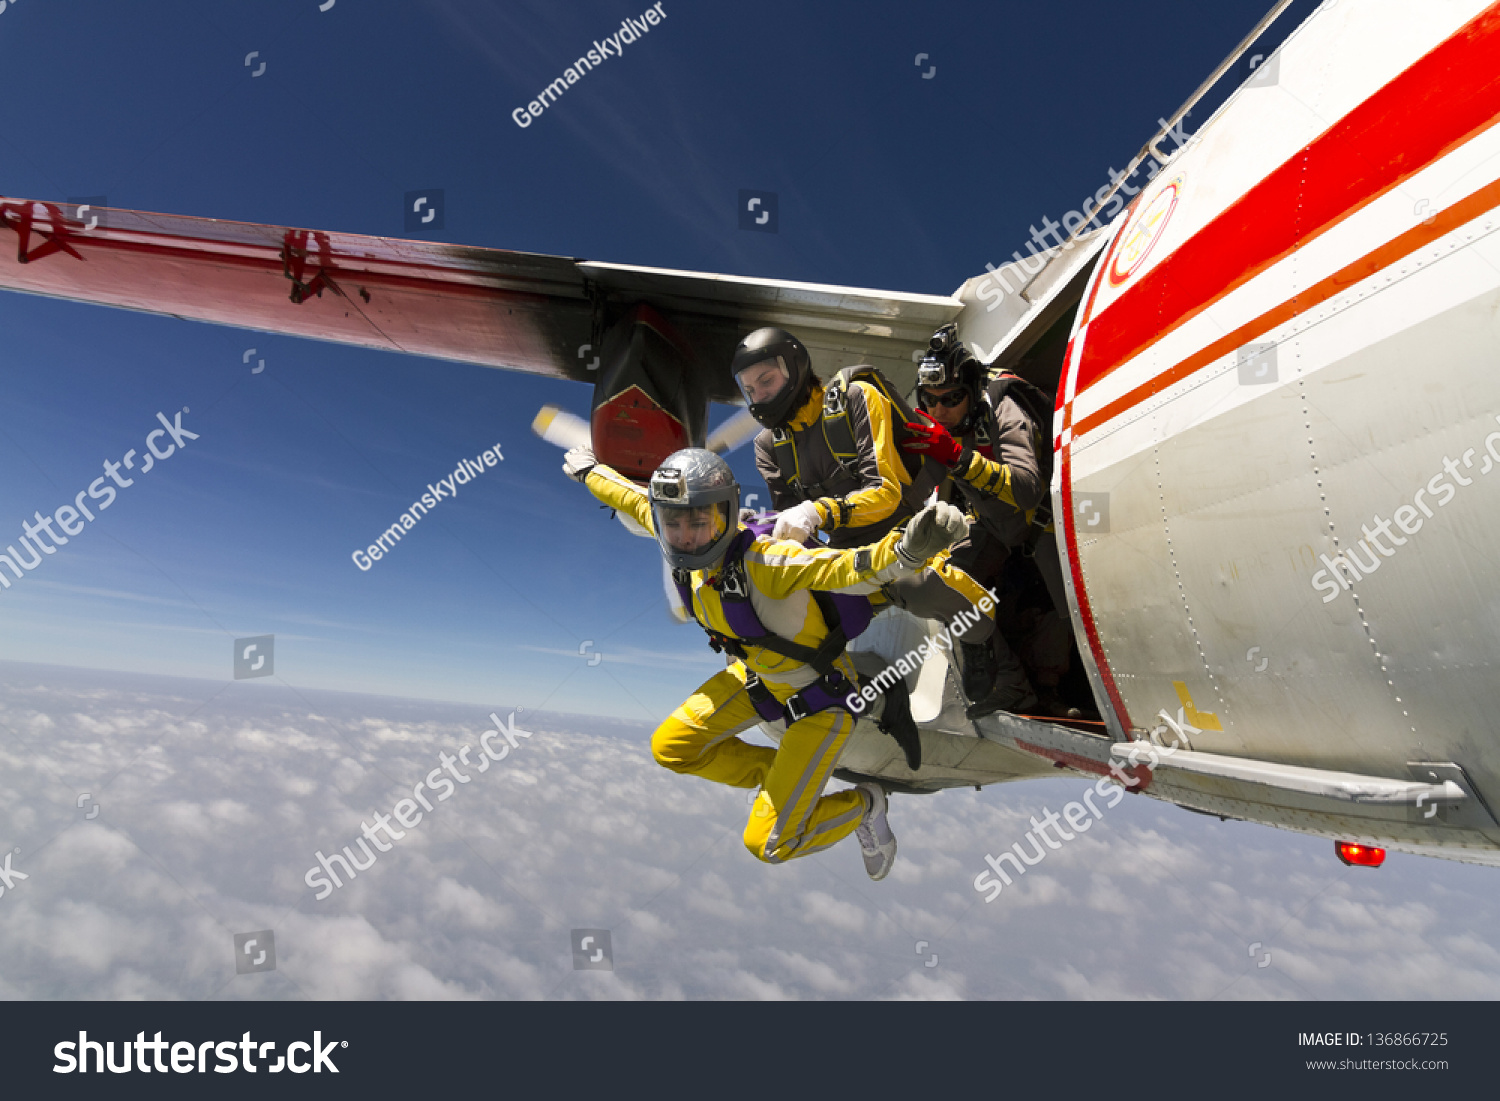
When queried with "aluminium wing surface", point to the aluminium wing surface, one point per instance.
{"points": [[511, 310]]}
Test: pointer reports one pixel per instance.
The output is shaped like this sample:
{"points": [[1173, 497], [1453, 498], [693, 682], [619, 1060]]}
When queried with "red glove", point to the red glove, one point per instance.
{"points": [[932, 439]]}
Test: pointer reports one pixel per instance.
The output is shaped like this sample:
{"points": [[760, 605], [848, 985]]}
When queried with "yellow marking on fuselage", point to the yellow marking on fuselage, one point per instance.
{"points": [[1204, 720]]}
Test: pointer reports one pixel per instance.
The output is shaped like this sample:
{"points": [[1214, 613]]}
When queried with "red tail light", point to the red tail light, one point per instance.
{"points": [[1359, 856]]}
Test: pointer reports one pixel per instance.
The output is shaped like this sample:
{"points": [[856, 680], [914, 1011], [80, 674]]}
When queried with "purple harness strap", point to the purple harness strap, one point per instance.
{"points": [[852, 613]]}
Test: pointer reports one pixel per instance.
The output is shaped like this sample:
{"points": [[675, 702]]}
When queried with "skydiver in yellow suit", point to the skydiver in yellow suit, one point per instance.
{"points": [[763, 602]]}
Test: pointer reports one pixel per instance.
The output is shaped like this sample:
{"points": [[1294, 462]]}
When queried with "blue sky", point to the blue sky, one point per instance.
{"points": [[885, 180]]}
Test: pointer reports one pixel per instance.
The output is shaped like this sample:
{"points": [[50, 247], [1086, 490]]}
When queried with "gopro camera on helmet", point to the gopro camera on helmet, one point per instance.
{"points": [[932, 371], [667, 485], [944, 340], [947, 364], [946, 360]]}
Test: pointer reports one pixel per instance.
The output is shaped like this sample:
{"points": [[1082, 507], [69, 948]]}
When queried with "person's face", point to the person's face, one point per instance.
{"points": [[949, 416], [762, 381], [689, 530]]}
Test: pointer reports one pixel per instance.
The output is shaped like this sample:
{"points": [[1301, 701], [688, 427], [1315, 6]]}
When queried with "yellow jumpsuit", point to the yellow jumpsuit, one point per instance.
{"points": [[791, 816]]}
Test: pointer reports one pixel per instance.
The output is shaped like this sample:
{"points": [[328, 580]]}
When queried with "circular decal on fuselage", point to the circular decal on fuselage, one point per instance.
{"points": [[1147, 230]]}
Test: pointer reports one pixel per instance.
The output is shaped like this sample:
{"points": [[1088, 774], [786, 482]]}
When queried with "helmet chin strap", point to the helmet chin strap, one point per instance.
{"points": [[708, 568], [793, 408]]}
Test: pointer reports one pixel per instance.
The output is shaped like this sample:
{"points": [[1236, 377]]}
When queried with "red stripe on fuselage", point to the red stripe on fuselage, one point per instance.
{"points": [[1444, 99], [1081, 595], [1461, 213], [1065, 481]]}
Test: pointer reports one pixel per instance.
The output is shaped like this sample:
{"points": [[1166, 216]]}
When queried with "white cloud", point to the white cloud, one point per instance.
{"points": [[213, 805]]}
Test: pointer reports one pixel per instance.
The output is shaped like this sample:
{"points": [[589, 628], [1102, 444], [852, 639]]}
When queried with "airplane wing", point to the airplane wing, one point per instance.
{"points": [[519, 311]]}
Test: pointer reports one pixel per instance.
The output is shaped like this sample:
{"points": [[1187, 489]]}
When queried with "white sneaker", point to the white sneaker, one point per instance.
{"points": [[876, 842]]}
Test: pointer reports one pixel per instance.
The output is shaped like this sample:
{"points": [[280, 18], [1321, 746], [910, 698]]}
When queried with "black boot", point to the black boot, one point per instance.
{"points": [[978, 670], [896, 720], [1008, 690], [1018, 699]]}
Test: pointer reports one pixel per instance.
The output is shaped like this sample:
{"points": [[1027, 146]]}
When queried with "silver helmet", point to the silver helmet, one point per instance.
{"points": [[695, 508]]}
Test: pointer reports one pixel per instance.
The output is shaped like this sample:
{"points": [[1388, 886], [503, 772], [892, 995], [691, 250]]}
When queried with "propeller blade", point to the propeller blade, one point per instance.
{"points": [[737, 431], [558, 426]]}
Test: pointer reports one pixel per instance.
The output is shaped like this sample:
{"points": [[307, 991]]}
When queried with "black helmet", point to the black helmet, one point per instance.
{"points": [[771, 404], [949, 363], [694, 495]]}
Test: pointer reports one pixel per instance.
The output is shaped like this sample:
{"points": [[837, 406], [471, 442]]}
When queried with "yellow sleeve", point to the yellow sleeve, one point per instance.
{"points": [[619, 492], [1014, 475], [881, 468], [989, 477], [779, 569]]}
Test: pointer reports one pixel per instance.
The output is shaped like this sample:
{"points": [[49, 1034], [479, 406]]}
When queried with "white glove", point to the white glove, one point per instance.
{"points": [[578, 462], [798, 524], [933, 530]]}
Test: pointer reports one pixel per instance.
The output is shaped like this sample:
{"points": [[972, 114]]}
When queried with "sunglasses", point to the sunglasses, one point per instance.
{"points": [[947, 401]]}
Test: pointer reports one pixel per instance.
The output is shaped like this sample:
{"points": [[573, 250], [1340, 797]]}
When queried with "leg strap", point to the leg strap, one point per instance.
{"points": [[830, 691]]}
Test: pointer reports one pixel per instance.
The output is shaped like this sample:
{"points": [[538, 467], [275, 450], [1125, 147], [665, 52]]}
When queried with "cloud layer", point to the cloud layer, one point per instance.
{"points": [[212, 799]]}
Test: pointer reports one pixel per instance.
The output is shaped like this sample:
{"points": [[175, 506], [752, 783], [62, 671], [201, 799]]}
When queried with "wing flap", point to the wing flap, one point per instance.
{"points": [[841, 326]]}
